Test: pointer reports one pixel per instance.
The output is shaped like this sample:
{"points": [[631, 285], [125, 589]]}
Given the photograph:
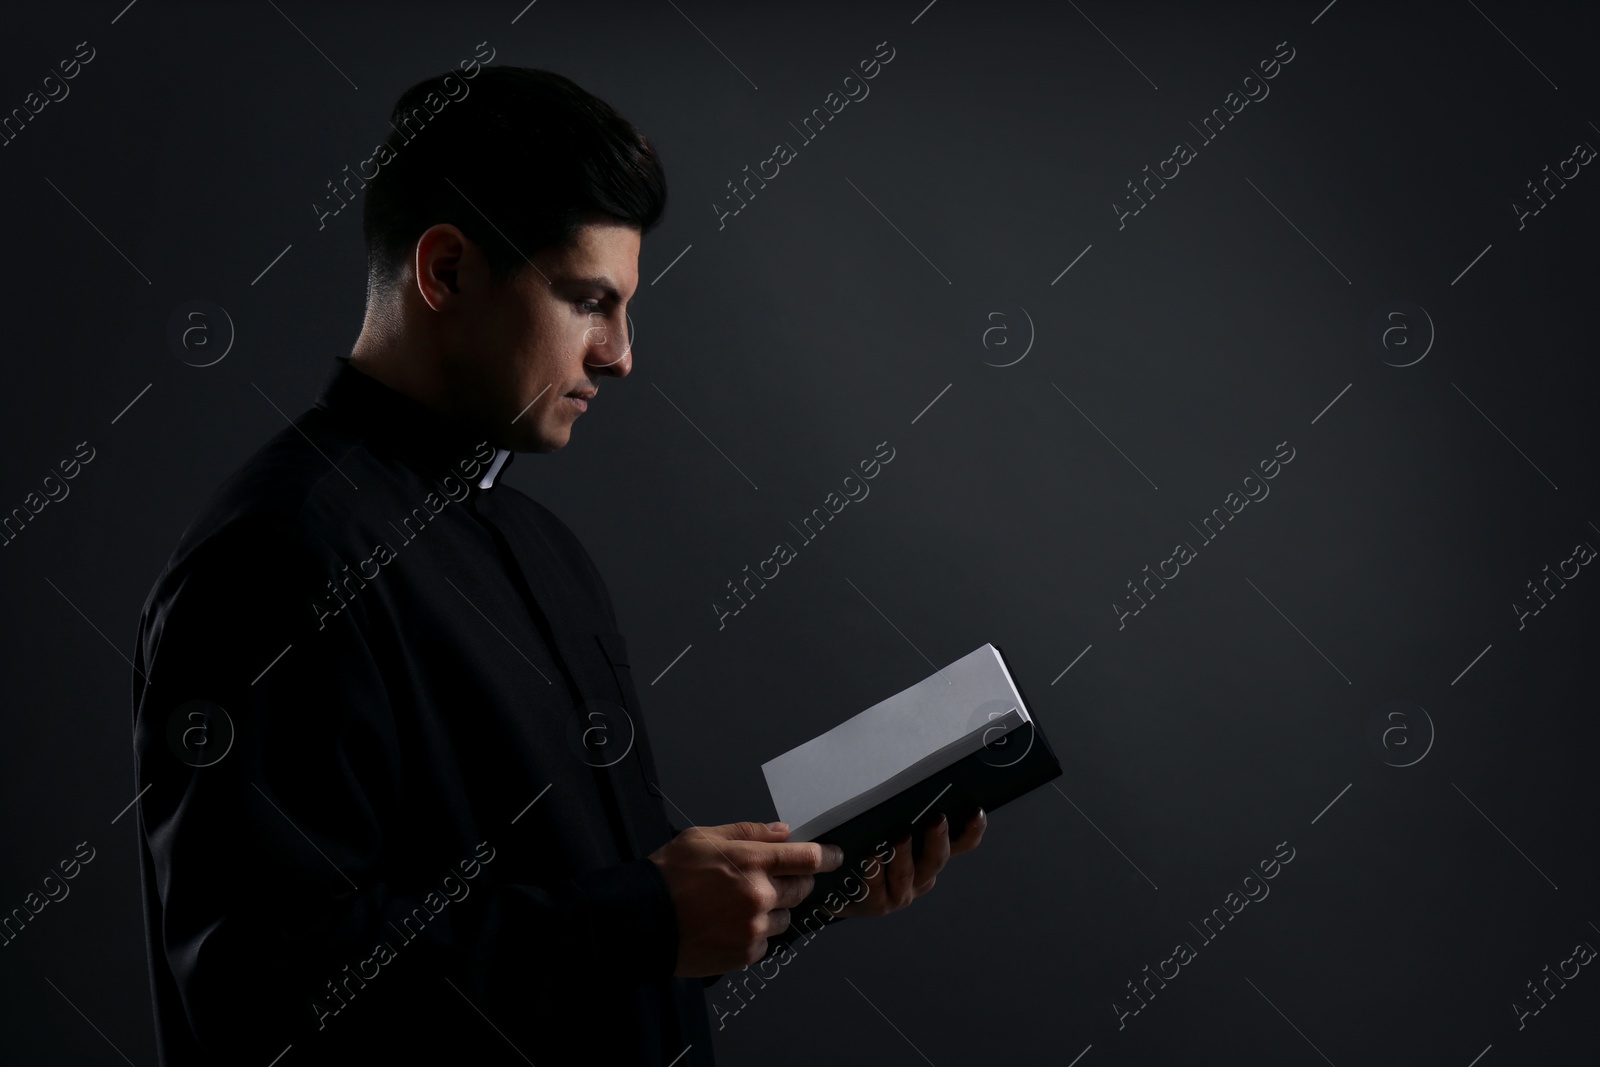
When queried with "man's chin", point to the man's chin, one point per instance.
{"points": [[546, 442]]}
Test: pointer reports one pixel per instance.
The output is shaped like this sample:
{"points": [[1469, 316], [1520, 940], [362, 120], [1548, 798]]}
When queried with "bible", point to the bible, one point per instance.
{"points": [[960, 739]]}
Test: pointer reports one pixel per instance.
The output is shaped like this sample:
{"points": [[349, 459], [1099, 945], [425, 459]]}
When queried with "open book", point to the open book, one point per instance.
{"points": [[957, 740]]}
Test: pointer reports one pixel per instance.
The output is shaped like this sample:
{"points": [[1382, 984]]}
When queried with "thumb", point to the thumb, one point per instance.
{"points": [[755, 831]]}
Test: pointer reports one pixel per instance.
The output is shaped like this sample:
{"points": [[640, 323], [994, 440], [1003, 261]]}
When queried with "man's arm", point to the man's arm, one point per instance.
{"points": [[276, 865]]}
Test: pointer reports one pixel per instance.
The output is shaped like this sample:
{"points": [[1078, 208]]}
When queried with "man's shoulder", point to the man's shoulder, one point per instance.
{"points": [[285, 497]]}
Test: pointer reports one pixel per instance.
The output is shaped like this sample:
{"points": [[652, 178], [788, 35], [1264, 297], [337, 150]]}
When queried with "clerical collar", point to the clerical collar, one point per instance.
{"points": [[501, 456], [392, 422]]}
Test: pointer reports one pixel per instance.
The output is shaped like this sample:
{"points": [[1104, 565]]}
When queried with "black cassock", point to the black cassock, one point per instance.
{"points": [[400, 792]]}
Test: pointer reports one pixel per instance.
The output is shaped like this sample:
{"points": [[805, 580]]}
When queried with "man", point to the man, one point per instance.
{"points": [[401, 798]]}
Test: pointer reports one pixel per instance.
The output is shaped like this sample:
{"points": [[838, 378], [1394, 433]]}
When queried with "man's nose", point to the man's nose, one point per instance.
{"points": [[604, 363], [613, 355]]}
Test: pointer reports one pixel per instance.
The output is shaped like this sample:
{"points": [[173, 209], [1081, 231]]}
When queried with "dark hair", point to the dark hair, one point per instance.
{"points": [[517, 158]]}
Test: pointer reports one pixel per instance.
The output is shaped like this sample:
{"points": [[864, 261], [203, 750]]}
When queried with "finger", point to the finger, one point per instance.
{"points": [[777, 921], [749, 831], [792, 889], [935, 852], [873, 886], [901, 868], [795, 857], [971, 834]]}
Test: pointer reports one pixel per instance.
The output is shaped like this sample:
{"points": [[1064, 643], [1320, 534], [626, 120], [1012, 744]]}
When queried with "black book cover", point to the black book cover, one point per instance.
{"points": [[1010, 765]]}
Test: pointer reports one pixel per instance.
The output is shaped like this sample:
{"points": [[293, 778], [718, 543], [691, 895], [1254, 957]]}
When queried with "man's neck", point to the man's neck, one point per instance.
{"points": [[385, 351]]}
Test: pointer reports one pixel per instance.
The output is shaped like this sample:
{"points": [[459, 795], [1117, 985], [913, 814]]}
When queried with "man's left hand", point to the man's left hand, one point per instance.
{"points": [[903, 879]]}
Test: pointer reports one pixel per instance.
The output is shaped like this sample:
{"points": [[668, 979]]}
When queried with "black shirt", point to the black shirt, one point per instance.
{"points": [[400, 791]]}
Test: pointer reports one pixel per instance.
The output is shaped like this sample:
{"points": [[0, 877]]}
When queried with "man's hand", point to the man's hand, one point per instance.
{"points": [[733, 886], [897, 883]]}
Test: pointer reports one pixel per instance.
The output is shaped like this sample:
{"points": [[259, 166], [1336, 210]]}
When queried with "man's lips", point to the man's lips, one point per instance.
{"points": [[580, 398]]}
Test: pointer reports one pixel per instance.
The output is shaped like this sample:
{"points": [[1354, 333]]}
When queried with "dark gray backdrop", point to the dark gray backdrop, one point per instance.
{"points": [[920, 240]]}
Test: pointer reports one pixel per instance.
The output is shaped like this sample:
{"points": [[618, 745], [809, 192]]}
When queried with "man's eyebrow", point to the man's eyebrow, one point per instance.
{"points": [[601, 282]]}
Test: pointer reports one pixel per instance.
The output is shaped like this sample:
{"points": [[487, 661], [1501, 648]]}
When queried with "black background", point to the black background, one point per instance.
{"points": [[821, 321]]}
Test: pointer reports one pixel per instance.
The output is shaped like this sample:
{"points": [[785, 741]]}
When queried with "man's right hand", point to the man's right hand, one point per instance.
{"points": [[733, 886]]}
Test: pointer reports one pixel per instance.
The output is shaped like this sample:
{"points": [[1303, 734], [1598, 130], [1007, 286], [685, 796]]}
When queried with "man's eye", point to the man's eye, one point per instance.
{"points": [[589, 306]]}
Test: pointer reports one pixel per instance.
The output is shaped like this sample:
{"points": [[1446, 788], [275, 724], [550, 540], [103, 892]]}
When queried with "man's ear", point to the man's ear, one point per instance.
{"points": [[439, 255]]}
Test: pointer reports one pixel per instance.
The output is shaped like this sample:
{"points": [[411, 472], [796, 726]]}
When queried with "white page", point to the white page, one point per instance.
{"points": [[887, 738]]}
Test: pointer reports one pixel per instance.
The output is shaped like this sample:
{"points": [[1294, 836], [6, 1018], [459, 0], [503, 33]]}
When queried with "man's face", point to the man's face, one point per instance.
{"points": [[541, 342]]}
